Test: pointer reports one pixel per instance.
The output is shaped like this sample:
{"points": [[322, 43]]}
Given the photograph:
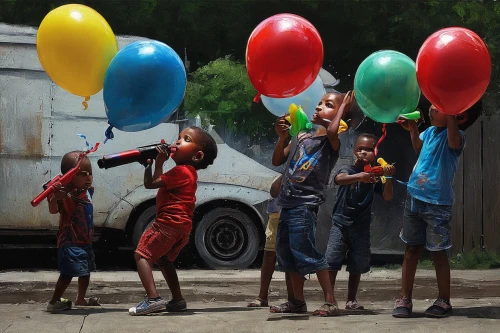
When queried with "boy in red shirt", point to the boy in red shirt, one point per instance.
{"points": [[195, 149]]}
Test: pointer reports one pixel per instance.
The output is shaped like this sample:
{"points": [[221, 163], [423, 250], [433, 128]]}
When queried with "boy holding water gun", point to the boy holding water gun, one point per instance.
{"points": [[351, 217], [75, 256]]}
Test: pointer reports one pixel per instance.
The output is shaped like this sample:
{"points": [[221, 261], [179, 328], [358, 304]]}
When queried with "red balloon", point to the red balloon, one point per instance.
{"points": [[284, 55], [453, 69]]}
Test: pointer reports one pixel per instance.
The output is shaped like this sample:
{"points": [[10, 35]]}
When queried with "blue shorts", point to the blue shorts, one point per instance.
{"points": [[351, 244], [426, 224], [76, 260], [296, 241]]}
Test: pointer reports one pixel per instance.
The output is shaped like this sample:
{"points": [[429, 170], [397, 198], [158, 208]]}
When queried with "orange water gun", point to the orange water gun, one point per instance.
{"points": [[377, 170]]}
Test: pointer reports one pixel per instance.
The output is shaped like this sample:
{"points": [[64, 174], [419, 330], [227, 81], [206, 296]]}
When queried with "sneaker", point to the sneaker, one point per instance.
{"points": [[62, 305], [148, 305], [179, 306], [402, 308], [441, 308]]}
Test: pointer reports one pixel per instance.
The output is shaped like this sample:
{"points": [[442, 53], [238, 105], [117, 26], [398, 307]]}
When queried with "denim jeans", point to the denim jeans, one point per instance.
{"points": [[426, 224], [296, 241]]}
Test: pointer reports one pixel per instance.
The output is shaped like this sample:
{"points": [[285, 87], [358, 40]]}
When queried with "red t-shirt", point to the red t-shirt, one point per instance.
{"points": [[175, 202], [76, 220]]}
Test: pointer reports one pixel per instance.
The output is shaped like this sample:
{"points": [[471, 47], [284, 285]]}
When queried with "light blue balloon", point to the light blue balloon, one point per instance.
{"points": [[144, 84], [308, 99]]}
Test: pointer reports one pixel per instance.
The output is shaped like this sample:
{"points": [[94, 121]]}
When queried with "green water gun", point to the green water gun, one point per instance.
{"points": [[298, 119], [415, 115]]}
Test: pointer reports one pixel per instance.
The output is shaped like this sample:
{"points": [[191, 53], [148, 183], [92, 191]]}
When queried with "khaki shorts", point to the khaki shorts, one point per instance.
{"points": [[271, 230]]}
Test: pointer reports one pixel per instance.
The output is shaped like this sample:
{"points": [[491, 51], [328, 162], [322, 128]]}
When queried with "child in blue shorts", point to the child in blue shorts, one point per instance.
{"points": [[75, 257], [429, 200], [351, 217], [301, 192]]}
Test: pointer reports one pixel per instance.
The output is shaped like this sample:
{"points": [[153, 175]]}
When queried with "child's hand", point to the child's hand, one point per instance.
{"points": [[163, 154], [282, 128], [389, 170], [348, 99], [60, 192], [366, 177]]}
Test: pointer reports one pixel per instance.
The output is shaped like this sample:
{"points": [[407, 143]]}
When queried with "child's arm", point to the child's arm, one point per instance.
{"points": [[152, 181], [332, 127], [363, 177], [454, 137], [411, 126], [282, 149], [275, 187], [387, 194], [54, 200]]}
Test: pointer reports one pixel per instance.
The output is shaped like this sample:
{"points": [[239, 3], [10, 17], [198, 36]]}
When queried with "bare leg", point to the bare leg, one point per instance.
{"points": [[266, 273], [289, 287], [146, 275], [83, 284], [324, 281], [412, 254], [353, 285], [297, 283], [170, 275], [333, 278], [61, 285], [442, 266]]}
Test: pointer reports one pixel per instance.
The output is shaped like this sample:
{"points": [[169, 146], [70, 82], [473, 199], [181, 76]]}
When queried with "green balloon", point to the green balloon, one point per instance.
{"points": [[386, 86]]}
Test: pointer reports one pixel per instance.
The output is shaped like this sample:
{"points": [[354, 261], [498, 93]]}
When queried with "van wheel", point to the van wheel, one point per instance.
{"points": [[227, 238], [143, 222]]}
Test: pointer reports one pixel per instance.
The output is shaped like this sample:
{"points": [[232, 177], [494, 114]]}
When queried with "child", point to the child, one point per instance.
{"points": [[269, 258], [195, 149], [351, 218], [74, 239], [301, 193], [428, 203]]}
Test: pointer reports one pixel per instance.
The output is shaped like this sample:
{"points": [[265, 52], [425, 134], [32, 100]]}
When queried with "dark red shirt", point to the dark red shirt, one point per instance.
{"points": [[175, 202], [76, 220]]}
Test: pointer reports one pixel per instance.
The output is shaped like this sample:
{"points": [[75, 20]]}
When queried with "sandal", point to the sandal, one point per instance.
{"points": [[176, 306], [402, 308], [353, 305], [289, 307], [258, 303], [327, 310], [441, 308]]}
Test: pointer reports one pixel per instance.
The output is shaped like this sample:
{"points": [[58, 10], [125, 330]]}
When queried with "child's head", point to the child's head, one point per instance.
{"points": [[194, 147], [83, 179], [328, 106], [364, 149], [464, 119]]}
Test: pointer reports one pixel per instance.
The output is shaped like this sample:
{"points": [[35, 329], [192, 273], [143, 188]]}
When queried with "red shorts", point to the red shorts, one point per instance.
{"points": [[161, 241]]}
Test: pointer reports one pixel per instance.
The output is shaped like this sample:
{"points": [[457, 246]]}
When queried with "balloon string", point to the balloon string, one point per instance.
{"points": [[384, 134], [256, 99], [109, 134], [85, 104]]}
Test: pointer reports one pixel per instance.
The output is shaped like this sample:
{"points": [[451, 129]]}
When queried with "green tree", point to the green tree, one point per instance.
{"points": [[221, 94]]}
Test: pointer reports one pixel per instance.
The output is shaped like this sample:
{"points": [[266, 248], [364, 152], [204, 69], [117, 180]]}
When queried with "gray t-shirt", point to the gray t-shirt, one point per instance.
{"points": [[308, 172]]}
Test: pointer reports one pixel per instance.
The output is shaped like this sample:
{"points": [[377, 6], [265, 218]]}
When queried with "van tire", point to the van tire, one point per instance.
{"points": [[227, 238], [143, 222]]}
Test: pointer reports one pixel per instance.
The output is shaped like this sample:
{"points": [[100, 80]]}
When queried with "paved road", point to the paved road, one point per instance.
{"points": [[217, 299]]}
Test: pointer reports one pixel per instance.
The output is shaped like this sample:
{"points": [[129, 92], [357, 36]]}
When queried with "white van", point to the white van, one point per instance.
{"points": [[38, 125]]}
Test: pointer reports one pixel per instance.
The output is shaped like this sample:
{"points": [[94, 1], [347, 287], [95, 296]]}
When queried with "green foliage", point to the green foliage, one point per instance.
{"points": [[474, 259], [221, 93]]}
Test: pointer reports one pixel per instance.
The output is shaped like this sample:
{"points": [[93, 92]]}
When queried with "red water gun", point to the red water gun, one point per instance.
{"points": [[49, 187], [377, 170]]}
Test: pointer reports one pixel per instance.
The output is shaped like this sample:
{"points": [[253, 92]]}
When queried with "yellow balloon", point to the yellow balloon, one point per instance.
{"points": [[75, 45]]}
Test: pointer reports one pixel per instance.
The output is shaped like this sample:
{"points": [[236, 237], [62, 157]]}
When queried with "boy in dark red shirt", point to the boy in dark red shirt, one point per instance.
{"points": [[161, 243], [75, 256]]}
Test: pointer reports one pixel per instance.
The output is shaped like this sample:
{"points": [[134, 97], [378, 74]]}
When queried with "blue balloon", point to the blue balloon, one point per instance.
{"points": [[144, 84], [308, 100]]}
